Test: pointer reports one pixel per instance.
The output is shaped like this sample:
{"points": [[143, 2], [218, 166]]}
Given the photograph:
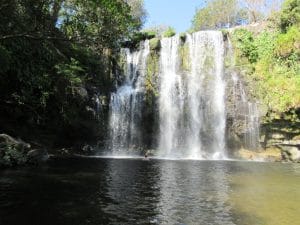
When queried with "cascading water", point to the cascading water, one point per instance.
{"points": [[171, 98], [126, 103], [191, 105], [245, 113], [190, 98]]}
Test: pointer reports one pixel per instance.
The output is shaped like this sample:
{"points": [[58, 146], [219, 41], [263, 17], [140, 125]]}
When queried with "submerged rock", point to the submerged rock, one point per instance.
{"points": [[270, 154]]}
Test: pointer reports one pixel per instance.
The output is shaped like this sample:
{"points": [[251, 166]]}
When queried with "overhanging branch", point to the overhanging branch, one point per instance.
{"points": [[35, 37]]}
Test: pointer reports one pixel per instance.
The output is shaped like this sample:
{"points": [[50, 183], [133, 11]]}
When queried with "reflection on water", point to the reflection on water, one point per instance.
{"points": [[132, 191], [136, 191], [193, 193]]}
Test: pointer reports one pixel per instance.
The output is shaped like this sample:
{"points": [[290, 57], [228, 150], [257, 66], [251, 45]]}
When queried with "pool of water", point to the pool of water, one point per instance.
{"points": [[136, 191]]}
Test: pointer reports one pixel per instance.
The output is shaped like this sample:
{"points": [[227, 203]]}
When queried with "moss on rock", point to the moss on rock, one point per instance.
{"points": [[184, 54], [152, 74], [155, 44], [12, 151]]}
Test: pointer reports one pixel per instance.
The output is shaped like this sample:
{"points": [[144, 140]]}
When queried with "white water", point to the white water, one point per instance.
{"points": [[245, 110], [192, 111], [191, 106], [126, 104], [171, 98]]}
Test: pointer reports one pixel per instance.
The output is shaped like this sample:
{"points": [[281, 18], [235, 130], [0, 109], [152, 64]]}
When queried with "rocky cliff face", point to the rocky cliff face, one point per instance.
{"points": [[282, 132], [249, 123]]}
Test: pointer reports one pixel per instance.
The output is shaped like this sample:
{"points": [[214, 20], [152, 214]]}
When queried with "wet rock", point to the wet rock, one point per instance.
{"points": [[13, 151], [91, 111], [81, 92], [155, 44], [4, 138], [290, 153], [277, 136], [87, 149], [270, 154], [37, 156]]}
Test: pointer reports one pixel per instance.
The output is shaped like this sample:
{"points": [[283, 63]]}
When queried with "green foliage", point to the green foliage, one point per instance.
{"points": [[290, 14], [138, 11], [288, 44], [152, 76], [155, 44], [265, 44], [245, 43], [150, 34], [170, 32], [274, 61], [71, 72], [184, 52], [99, 23], [141, 36], [51, 51], [12, 155], [218, 14]]}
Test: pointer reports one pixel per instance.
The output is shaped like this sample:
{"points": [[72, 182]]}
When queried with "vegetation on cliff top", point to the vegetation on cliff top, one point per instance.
{"points": [[217, 14]]}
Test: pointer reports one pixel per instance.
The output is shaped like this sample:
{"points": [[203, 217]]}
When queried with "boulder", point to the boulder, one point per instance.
{"points": [[277, 136], [13, 151], [290, 153], [81, 92], [8, 140], [87, 149]]}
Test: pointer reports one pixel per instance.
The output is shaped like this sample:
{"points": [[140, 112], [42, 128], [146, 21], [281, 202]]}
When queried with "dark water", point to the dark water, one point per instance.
{"points": [[135, 191]]}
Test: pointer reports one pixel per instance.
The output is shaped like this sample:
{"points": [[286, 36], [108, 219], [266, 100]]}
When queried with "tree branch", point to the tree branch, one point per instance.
{"points": [[40, 37]]}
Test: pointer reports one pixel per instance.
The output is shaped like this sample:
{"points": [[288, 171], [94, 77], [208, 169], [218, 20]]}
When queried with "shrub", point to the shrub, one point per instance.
{"points": [[288, 43], [245, 43], [155, 44], [170, 32], [290, 14]]}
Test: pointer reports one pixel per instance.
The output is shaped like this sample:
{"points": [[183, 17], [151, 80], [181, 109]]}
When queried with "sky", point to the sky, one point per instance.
{"points": [[175, 13]]}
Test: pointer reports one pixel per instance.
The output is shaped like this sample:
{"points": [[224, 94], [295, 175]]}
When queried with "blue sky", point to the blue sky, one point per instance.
{"points": [[175, 13]]}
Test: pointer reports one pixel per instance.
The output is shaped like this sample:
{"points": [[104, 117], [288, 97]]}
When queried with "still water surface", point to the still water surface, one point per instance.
{"points": [[134, 191]]}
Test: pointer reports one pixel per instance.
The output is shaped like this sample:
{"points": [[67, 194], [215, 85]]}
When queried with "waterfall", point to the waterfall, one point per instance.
{"points": [[191, 105], [126, 103], [190, 96], [171, 97], [245, 113]]}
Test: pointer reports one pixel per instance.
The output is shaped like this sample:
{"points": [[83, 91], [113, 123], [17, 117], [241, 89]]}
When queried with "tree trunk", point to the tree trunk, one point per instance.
{"points": [[55, 11]]}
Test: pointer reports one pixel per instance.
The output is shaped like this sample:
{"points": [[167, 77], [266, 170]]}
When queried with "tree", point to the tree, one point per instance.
{"points": [[138, 11], [218, 14], [49, 49], [98, 23], [256, 9], [290, 14]]}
